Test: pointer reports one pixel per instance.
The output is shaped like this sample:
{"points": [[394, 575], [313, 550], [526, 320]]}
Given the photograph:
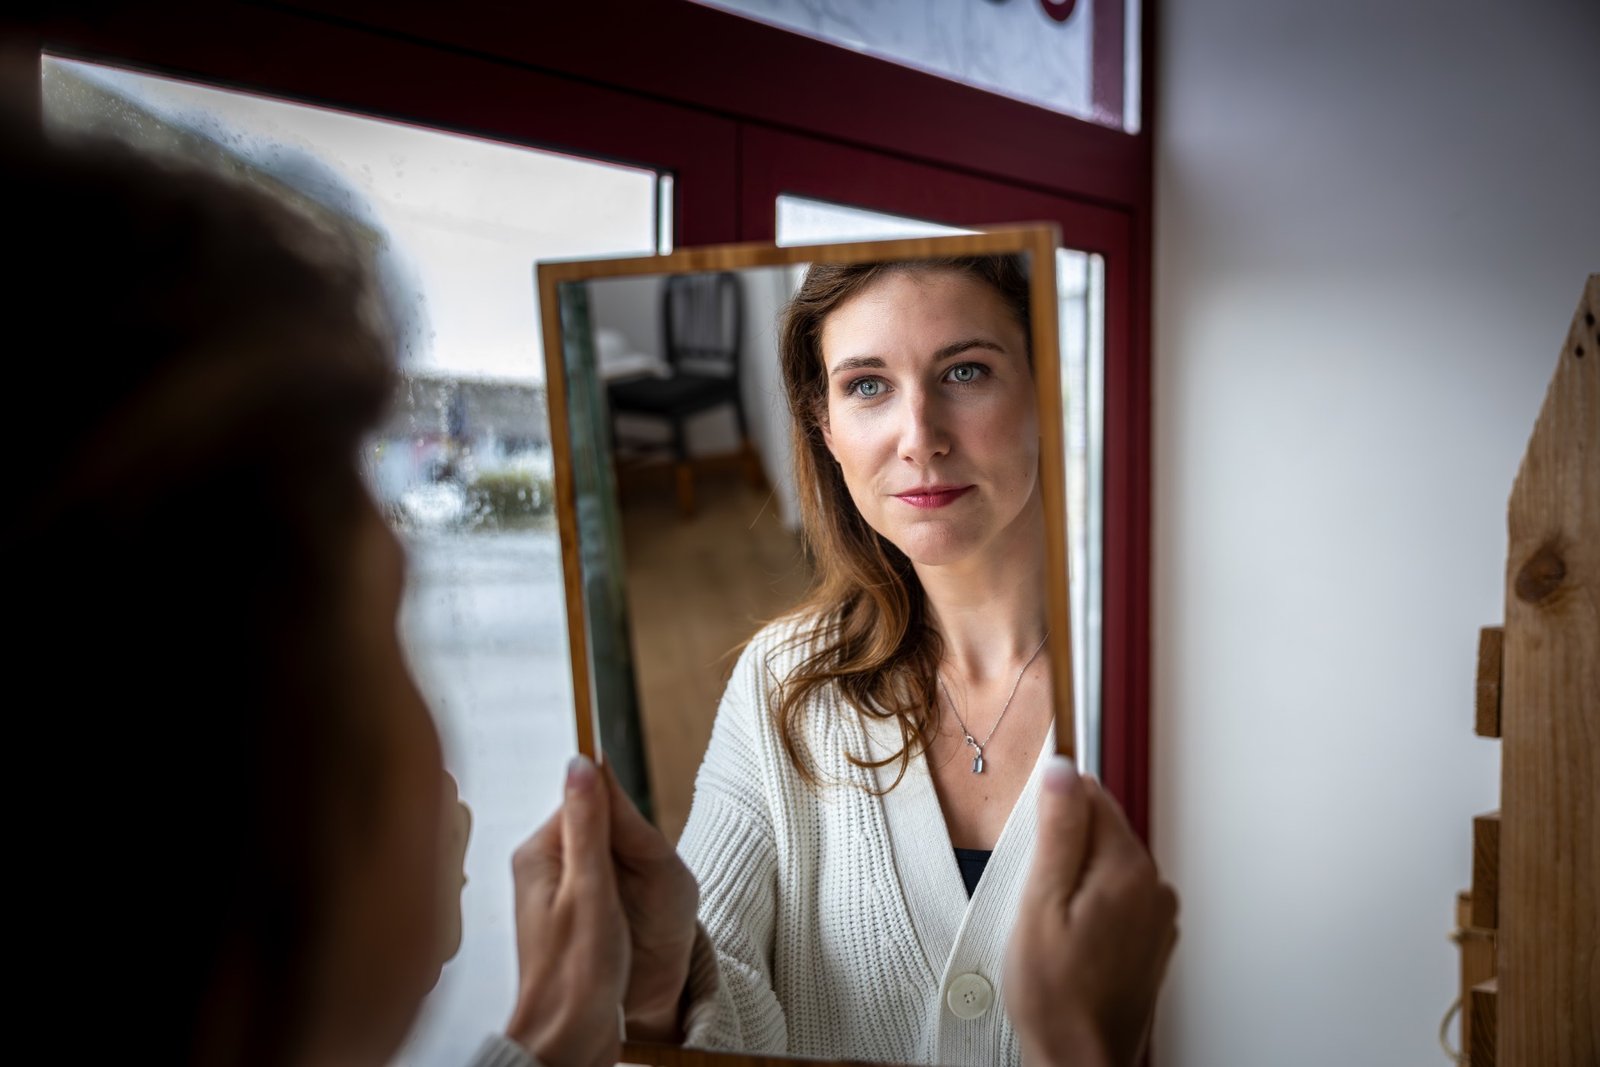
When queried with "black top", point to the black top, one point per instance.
{"points": [[972, 861]]}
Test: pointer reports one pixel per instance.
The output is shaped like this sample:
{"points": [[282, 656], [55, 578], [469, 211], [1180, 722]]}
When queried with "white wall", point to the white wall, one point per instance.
{"points": [[1374, 220], [632, 307], [766, 291]]}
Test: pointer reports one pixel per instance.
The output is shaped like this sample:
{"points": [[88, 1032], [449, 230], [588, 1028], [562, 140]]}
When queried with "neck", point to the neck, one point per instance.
{"points": [[990, 608]]}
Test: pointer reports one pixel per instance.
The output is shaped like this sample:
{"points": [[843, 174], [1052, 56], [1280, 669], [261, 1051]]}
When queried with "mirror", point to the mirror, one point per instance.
{"points": [[681, 505]]}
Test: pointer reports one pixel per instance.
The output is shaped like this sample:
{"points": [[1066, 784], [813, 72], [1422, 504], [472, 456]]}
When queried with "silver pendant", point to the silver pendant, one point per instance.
{"points": [[977, 763]]}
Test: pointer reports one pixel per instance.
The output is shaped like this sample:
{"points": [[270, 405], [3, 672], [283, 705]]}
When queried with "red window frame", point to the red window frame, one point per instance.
{"points": [[739, 112]]}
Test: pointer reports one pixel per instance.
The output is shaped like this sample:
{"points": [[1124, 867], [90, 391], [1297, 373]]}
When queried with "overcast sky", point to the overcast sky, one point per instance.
{"points": [[468, 218]]}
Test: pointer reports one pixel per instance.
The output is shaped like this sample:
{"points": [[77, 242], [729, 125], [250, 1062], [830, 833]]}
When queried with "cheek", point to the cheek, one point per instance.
{"points": [[416, 846], [863, 459], [392, 908], [1008, 435], [859, 442]]}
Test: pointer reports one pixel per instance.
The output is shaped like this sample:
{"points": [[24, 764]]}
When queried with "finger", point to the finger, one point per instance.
{"points": [[633, 837], [585, 829], [537, 861], [1064, 821]]}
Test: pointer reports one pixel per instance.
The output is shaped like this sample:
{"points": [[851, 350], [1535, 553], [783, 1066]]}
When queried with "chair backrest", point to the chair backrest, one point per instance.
{"points": [[702, 321]]}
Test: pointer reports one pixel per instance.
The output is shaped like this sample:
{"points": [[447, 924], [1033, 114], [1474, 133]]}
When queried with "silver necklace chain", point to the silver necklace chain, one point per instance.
{"points": [[966, 734]]}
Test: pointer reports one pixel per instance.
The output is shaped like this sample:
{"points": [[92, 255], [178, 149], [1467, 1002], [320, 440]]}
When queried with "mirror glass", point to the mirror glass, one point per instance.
{"points": [[682, 515], [691, 543]]}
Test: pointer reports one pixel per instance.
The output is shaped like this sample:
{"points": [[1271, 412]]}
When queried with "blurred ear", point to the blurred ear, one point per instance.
{"points": [[456, 828]]}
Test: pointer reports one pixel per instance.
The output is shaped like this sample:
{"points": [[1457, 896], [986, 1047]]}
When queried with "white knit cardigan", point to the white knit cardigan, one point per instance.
{"points": [[839, 918]]}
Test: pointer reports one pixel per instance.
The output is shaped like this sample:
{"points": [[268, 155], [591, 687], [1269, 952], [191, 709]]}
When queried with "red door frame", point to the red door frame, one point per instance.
{"points": [[727, 65], [710, 97]]}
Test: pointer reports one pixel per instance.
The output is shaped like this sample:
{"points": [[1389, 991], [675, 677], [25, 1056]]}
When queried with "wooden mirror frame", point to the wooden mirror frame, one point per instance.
{"points": [[1039, 242]]}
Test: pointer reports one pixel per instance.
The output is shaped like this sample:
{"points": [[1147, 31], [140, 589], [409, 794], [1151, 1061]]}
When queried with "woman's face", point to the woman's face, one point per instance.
{"points": [[381, 952], [931, 413]]}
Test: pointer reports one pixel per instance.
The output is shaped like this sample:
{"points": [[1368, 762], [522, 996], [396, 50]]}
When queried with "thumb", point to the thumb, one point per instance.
{"points": [[1064, 821], [1115, 843], [633, 837], [585, 828]]}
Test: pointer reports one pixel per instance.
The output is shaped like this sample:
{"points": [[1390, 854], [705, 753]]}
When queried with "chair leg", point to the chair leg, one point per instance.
{"points": [[685, 475], [753, 473], [684, 472]]}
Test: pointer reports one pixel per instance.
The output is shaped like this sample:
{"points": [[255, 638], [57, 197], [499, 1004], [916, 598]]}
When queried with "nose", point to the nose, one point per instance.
{"points": [[923, 435]]}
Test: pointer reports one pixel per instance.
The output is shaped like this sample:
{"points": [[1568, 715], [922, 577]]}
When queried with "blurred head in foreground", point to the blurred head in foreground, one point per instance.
{"points": [[242, 838]]}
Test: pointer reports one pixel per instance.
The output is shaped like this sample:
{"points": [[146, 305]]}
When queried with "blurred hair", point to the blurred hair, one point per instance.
{"points": [[193, 366], [866, 628]]}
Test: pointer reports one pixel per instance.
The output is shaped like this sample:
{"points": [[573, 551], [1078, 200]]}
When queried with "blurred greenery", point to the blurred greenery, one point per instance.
{"points": [[509, 499]]}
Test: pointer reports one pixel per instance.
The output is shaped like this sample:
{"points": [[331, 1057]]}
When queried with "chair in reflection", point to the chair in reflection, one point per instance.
{"points": [[701, 325]]}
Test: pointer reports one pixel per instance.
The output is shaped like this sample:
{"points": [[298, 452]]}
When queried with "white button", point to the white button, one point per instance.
{"points": [[969, 996]]}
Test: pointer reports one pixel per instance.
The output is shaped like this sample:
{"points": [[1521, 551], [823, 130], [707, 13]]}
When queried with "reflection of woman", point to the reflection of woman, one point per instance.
{"points": [[864, 817]]}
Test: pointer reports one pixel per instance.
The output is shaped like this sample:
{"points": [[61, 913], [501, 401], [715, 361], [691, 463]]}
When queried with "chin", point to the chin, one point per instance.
{"points": [[934, 548]]}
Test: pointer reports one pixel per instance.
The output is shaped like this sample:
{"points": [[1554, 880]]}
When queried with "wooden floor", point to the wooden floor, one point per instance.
{"points": [[697, 588]]}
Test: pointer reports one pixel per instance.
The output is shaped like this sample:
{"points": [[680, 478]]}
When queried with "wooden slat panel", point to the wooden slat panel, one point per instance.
{"points": [[1484, 1001], [1486, 871], [1477, 961], [1549, 908], [1491, 644]]}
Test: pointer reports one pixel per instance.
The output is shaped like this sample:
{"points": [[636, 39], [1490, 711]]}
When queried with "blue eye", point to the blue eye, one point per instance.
{"points": [[866, 387], [965, 373]]}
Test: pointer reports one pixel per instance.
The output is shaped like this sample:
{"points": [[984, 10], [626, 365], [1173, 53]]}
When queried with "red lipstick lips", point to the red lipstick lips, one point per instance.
{"points": [[933, 496]]}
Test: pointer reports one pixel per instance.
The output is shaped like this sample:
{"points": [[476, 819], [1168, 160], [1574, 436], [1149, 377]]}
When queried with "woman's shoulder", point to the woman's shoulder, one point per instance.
{"points": [[775, 650], [750, 715], [768, 660], [747, 741]]}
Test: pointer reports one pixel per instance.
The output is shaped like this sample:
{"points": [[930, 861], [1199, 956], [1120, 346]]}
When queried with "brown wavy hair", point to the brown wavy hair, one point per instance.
{"points": [[866, 626]]}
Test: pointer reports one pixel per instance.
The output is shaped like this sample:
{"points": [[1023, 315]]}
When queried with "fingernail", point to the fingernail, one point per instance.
{"points": [[1060, 774], [580, 773]]}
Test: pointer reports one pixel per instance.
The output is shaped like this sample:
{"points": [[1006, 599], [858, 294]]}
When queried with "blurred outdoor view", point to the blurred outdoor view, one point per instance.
{"points": [[454, 225]]}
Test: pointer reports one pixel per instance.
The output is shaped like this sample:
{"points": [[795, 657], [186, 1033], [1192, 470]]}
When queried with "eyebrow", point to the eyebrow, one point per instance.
{"points": [[949, 351]]}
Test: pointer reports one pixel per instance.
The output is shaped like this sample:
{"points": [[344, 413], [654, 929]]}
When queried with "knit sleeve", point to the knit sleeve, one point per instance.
{"points": [[501, 1051], [728, 842]]}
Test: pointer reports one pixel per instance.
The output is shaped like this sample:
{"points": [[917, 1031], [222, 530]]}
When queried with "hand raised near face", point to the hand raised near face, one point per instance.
{"points": [[1093, 934], [572, 937], [660, 898]]}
